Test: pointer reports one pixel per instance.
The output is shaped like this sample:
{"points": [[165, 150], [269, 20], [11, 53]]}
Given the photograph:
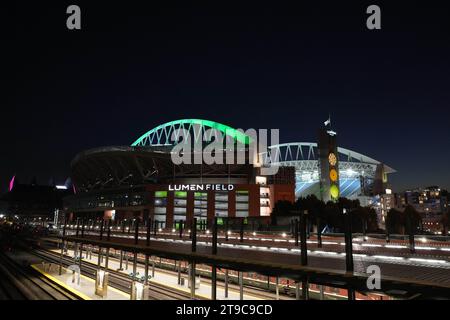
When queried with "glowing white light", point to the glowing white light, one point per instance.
{"points": [[254, 233], [207, 231], [158, 229], [61, 187], [427, 260], [423, 240], [393, 246], [229, 232], [388, 257], [173, 230], [426, 248], [370, 245], [283, 234]]}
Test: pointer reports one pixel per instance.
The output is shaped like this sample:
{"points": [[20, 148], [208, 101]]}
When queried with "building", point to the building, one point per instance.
{"points": [[142, 180], [33, 201], [431, 202], [427, 200]]}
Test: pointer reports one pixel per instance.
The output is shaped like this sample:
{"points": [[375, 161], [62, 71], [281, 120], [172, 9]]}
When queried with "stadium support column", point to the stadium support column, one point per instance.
{"points": [[328, 164], [211, 207], [170, 209]]}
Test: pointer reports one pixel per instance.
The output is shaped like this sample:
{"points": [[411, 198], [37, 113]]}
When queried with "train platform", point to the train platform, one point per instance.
{"points": [[422, 277], [166, 279], [85, 289]]}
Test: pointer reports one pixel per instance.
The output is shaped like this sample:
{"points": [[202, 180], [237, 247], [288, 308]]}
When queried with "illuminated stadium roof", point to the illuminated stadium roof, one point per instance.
{"points": [[169, 132], [304, 157]]}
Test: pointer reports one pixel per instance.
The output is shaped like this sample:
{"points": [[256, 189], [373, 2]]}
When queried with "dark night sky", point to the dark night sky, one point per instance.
{"points": [[281, 65]]}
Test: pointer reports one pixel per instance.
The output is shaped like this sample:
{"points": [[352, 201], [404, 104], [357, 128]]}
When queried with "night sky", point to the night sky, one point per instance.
{"points": [[265, 65]]}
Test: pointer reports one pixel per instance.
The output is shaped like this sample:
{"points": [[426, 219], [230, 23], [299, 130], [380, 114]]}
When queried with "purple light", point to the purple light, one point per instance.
{"points": [[11, 183]]}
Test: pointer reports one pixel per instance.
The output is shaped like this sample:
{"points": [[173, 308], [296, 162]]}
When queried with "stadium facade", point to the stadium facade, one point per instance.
{"points": [[142, 181]]}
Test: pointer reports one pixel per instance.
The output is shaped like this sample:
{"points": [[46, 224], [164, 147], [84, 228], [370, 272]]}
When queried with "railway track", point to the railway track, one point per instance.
{"points": [[23, 283], [261, 293], [116, 279]]}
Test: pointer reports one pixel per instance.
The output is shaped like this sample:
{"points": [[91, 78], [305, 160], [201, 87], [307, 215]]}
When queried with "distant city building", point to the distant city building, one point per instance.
{"points": [[427, 200], [382, 203], [33, 200], [431, 203]]}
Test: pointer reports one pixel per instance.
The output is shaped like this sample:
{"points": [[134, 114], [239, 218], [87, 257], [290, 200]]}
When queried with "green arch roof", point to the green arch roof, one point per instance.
{"points": [[229, 131]]}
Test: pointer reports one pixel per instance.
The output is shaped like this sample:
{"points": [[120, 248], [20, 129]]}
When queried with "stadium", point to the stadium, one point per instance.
{"points": [[141, 180]]}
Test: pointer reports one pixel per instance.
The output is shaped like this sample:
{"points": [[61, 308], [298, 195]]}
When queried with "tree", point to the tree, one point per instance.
{"points": [[281, 208], [394, 221], [414, 216], [314, 206], [361, 215]]}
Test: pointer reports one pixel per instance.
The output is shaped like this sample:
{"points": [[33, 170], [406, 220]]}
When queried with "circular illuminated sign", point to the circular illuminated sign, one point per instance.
{"points": [[332, 159], [334, 191], [333, 175]]}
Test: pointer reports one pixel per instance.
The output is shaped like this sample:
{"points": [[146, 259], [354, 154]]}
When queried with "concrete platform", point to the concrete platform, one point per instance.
{"points": [[166, 279], [85, 289]]}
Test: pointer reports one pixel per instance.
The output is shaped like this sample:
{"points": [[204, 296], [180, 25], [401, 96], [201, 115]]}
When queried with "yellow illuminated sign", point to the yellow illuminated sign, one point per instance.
{"points": [[334, 191], [333, 175]]}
